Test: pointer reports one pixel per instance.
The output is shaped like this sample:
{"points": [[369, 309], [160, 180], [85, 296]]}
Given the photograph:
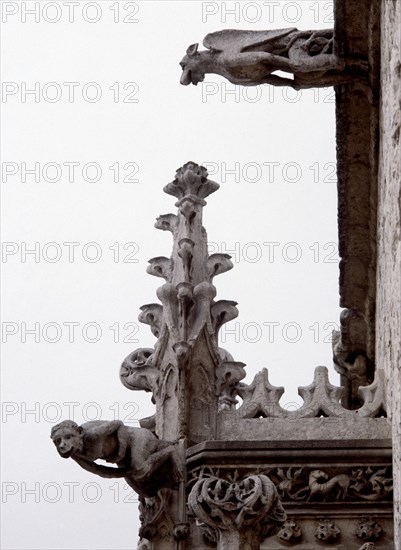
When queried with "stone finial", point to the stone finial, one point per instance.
{"points": [[191, 183]]}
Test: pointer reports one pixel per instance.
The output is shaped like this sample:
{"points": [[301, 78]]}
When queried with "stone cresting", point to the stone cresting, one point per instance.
{"points": [[261, 399], [250, 57]]}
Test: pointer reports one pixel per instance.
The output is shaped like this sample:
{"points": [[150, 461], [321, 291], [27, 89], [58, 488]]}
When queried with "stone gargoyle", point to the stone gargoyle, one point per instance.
{"points": [[250, 58], [146, 462]]}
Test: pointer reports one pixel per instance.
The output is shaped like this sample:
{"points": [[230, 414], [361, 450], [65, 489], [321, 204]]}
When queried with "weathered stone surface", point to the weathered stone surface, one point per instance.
{"points": [[357, 25], [388, 320]]}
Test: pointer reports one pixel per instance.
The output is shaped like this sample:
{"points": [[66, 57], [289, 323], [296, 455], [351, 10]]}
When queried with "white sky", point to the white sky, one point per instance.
{"points": [[280, 149]]}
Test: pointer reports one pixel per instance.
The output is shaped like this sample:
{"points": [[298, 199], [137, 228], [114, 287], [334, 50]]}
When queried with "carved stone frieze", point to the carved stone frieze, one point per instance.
{"points": [[332, 484], [235, 511]]}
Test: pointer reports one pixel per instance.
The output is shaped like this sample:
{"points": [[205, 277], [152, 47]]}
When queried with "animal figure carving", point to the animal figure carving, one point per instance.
{"points": [[321, 486], [250, 58], [138, 453]]}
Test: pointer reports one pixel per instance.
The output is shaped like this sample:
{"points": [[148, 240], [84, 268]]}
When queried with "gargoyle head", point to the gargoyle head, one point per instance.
{"points": [[191, 64], [136, 373], [68, 438]]}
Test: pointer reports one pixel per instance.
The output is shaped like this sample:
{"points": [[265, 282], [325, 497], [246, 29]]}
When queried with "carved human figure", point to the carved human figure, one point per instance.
{"points": [[138, 453], [250, 58]]}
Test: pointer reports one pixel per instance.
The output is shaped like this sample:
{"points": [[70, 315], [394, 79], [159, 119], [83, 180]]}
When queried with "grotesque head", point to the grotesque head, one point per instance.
{"points": [[68, 438], [135, 374], [192, 71]]}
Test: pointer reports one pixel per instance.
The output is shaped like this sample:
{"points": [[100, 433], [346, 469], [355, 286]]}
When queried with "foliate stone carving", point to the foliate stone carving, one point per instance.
{"points": [[369, 530], [191, 182], [327, 531], [236, 512], [160, 267], [167, 222], [290, 532], [368, 546], [217, 264], [222, 312], [332, 484], [138, 453], [372, 483], [250, 57]]}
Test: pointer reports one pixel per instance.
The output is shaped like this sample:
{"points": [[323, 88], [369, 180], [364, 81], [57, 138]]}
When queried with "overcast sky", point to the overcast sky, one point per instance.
{"points": [[105, 127]]}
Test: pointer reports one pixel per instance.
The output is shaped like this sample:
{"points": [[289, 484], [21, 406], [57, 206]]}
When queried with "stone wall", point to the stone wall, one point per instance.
{"points": [[388, 319]]}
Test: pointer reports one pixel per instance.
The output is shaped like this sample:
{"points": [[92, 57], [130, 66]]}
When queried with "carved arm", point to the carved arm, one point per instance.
{"points": [[102, 471]]}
